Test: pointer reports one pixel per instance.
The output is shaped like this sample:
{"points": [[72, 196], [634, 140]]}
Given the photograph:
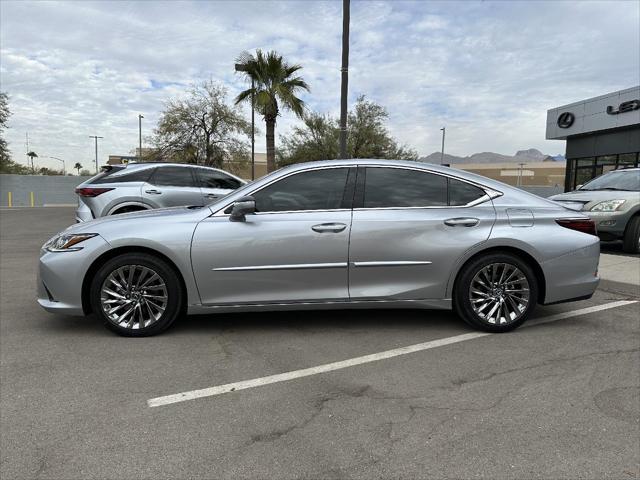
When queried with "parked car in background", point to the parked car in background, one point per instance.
{"points": [[145, 186], [334, 234], [612, 200]]}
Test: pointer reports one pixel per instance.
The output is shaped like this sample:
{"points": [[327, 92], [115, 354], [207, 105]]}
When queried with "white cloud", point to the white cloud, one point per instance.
{"points": [[486, 70]]}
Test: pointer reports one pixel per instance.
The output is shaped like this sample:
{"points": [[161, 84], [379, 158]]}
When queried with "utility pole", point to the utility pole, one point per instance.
{"points": [[140, 117], [444, 129], [29, 158], [96, 139], [345, 77], [519, 181]]}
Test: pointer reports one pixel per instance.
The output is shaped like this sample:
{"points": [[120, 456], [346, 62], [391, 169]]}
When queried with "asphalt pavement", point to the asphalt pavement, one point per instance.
{"points": [[554, 399]]}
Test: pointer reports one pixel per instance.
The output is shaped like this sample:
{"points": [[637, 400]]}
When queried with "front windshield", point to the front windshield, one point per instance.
{"points": [[616, 180]]}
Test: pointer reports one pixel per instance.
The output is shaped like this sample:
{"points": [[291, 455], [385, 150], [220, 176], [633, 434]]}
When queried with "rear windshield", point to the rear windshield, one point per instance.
{"points": [[121, 175]]}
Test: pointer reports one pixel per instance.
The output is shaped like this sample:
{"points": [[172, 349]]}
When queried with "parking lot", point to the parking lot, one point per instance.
{"points": [[558, 398]]}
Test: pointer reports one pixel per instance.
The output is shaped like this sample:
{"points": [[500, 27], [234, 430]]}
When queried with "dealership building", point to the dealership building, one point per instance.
{"points": [[602, 134]]}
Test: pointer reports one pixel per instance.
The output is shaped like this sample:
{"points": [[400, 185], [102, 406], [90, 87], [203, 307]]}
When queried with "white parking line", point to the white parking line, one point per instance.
{"points": [[329, 367]]}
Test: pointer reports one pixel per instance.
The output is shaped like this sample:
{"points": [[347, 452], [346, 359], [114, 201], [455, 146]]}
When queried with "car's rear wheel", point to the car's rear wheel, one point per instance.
{"points": [[496, 292], [136, 294], [631, 240]]}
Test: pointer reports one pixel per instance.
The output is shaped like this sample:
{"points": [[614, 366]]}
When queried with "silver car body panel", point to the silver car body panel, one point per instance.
{"points": [[381, 258]]}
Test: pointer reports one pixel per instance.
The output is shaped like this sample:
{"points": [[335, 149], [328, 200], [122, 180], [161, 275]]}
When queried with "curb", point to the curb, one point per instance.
{"points": [[619, 287]]}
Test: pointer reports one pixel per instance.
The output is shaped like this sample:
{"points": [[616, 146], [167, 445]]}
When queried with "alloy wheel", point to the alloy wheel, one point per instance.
{"points": [[133, 296], [499, 293]]}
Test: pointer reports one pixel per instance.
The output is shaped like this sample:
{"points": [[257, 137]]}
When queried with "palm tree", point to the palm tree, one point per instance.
{"points": [[78, 166], [275, 85], [31, 156]]}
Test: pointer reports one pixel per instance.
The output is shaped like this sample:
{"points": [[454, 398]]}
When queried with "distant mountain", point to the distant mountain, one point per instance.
{"points": [[530, 155]]}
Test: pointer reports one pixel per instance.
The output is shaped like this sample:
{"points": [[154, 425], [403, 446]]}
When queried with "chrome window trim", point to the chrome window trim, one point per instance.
{"points": [[490, 193]]}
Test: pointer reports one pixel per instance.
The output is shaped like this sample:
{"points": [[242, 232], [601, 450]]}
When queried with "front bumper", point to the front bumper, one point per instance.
{"points": [[610, 225], [61, 274]]}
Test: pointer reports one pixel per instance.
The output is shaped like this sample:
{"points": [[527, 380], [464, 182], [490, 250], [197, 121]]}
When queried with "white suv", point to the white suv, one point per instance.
{"points": [[144, 186]]}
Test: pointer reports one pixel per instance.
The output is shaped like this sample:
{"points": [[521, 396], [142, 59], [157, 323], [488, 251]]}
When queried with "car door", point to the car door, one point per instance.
{"points": [[293, 249], [216, 184], [172, 186], [409, 227]]}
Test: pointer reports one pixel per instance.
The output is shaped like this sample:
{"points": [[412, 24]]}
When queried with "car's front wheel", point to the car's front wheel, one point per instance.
{"points": [[496, 292], [136, 294]]}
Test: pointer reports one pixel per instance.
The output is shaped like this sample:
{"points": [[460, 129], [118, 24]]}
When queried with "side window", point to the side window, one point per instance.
{"points": [[462, 193], [313, 190], [397, 187], [173, 177], [134, 176], [214, 179]]}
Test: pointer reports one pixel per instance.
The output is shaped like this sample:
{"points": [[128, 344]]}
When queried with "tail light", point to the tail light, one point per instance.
{"points": [[584, 225], [91, 192]]}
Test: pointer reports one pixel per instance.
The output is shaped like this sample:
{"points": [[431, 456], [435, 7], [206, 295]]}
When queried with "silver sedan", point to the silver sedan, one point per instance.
{"points": [[332, 234]]}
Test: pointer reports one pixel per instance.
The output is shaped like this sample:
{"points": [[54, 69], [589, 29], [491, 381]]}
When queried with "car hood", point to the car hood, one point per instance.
{"points": [[585, 199], [144, 216]]}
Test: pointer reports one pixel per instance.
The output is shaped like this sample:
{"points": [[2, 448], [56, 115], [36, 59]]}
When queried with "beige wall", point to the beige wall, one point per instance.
{"points": [[534, 173]]}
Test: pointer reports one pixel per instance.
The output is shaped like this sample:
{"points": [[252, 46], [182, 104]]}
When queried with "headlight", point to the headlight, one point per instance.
{"points": [[607, 206], [67, 242]]}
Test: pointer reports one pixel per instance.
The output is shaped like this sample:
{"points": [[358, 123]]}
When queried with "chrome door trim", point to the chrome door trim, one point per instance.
{"points": [[295, 266], [391, 263]]}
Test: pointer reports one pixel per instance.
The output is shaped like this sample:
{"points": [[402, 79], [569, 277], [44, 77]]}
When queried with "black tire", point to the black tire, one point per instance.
{"points": [[462, 302], [171, 291], [631, 240]]}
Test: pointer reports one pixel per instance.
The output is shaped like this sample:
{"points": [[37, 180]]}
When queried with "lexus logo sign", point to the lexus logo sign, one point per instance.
{"points": [[629, 106], [566, 119]]}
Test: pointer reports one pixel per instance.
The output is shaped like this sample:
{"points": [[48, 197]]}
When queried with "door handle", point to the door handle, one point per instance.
{"points": [[462, 222], [154, 192], [210, 195], [329, 227]]}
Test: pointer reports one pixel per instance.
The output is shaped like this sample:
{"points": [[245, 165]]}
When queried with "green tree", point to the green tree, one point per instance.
{"points": [[78, 166], [367, 137], [276, 86], [7, 165], [85, 173], [202, 128]]}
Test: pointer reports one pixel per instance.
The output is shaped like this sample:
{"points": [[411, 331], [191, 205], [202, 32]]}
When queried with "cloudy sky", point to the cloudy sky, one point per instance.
{"points": [[487, 70]]}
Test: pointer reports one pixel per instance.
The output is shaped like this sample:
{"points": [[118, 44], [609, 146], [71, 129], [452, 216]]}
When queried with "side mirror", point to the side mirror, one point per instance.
{"points": [[579, 186], [242, 207]]}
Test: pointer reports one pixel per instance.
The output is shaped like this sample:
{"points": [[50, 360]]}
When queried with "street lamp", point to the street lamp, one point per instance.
{"points": [[442, 151], [64, 168], [140, 117], [243, 68], [96, 139]]}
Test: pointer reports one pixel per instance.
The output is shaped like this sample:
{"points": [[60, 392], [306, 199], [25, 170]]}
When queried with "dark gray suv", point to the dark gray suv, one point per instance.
{"points": [[144, 186]]}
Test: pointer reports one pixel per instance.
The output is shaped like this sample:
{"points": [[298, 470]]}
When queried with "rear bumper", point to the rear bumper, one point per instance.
{"points": [[573, 276], [83, 213]]}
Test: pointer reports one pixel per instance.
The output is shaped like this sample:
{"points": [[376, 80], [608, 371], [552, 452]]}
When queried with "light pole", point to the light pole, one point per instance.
{"points": [[64, 168], [243, 68], [140, 117], [344, 82], [444, 129], [96, 139]]}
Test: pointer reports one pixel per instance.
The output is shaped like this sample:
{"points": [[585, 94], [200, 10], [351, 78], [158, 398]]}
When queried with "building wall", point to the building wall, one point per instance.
{"points": [[46, 189], [540, 174]]}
